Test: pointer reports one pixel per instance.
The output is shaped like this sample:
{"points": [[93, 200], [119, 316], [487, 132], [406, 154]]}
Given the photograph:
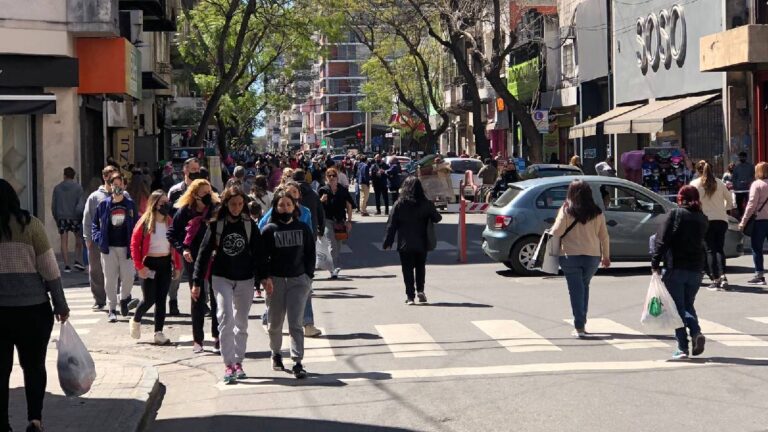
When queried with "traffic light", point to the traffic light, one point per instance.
{"points": [[359, 134], [323, 143]]}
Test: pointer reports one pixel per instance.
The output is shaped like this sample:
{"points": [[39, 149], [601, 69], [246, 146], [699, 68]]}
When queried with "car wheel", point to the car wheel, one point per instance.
{"points": [[523, 256]]}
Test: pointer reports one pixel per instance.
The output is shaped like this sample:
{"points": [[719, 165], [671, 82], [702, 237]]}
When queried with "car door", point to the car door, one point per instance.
{"points": [[549, 202], [632, 217]]}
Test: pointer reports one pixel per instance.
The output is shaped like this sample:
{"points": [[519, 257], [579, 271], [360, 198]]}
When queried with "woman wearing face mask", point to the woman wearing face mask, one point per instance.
{"points": [[185, 235], [232, 248], [155, 261], [337, 204], [290, 253]]}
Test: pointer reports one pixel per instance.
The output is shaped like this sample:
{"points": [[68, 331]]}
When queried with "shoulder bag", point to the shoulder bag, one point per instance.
{"points": [[749, 227], [548, 251]]}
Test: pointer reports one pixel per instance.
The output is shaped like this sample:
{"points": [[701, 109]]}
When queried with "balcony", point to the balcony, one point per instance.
{"points": [[739, 49], [93, 18], [159, 15], [457, 99]]}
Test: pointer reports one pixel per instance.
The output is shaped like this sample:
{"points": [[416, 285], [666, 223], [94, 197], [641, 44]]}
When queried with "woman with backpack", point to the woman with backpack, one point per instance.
{"points": [[186, 233], [410, 219], [584, 245], [232, 253], [680, 244], [155, 261]]}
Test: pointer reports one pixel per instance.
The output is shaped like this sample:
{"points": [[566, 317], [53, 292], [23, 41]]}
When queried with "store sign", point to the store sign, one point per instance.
{"points": [[656, 48], [123, 148], [662, 39], [109, 66], [541, 120]]}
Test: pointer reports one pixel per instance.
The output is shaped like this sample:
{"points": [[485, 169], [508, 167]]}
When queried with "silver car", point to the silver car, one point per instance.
{"points": [[517, 219]]}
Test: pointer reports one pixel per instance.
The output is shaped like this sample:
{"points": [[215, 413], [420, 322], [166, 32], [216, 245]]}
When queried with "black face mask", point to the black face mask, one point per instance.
{"points": [[194, 176], [207, 200], [164, 209], [284, 217]]}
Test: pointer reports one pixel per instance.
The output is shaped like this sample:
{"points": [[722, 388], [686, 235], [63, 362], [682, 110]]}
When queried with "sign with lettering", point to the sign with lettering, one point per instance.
{"points": [[661, 39]]}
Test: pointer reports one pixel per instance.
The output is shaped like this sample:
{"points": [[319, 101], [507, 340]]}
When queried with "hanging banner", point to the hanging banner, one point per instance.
{"points": [[541, 119], [123, 149]]}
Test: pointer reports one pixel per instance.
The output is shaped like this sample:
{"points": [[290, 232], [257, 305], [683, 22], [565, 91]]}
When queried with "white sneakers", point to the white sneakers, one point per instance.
{"points": [[335, 273], [160, 339], [135, 329]]}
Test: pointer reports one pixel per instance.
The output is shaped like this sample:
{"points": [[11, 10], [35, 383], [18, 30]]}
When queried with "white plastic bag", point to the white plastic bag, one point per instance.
{"points": [[75, 364], [659, 310], [324, 261], [547, 254]]}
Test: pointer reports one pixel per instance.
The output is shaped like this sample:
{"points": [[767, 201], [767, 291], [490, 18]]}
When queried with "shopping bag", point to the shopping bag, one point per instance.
{"points": [[323, 260], [659, 310], [75, 364], [547, 254]]}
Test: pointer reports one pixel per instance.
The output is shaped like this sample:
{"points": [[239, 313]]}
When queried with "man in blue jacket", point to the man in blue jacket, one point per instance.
{"points": [[364, 180], [112, 227]]}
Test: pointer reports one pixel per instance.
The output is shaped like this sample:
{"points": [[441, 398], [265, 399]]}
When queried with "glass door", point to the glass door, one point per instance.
{"points": [[16, 155]]}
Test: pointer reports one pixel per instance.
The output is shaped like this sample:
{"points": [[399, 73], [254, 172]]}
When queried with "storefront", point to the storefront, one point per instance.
{"points": [[26, 98]]}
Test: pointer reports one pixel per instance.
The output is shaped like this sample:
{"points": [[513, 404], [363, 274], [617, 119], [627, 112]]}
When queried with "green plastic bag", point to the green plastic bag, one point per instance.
{"points": [[655, 307]]}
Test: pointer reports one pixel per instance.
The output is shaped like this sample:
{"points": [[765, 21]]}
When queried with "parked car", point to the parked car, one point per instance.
{"points": [[516, 220], [549, 170], [461, 165]]}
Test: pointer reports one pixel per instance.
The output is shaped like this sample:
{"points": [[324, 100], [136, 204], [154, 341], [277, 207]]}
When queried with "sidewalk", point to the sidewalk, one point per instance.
{"points": [[124, 394]]}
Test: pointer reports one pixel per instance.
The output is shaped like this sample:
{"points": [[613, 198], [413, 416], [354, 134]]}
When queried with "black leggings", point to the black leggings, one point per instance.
{"points": [[715, 248], [28, 328], [154, 291], [198, 309], [413, 262]]}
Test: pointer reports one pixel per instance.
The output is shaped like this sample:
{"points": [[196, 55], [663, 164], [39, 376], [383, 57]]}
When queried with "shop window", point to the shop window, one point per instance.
{"points": [[15, 155], [553, 198], [621, 199]]}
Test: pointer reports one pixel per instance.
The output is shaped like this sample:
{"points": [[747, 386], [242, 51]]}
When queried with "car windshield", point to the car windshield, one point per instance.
{"points": [[508, 196], [460, 166]]}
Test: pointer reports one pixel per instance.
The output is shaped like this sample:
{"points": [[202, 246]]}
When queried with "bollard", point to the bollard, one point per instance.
{"points": [[462, 226]]}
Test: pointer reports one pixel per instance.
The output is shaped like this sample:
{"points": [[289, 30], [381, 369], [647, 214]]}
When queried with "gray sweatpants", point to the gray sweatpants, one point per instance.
{"points": [[117, 266], [233, 299], [335, 245], [289, 296], [96, 275]]}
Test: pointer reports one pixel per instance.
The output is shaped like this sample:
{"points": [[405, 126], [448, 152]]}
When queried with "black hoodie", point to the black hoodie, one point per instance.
{"points": [[290, 249], [236, 258]]}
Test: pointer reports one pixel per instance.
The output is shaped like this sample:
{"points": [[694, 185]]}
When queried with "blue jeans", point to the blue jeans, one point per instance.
{"points": [[683, 285], [759, 233], [309, 315], [578, 270]]}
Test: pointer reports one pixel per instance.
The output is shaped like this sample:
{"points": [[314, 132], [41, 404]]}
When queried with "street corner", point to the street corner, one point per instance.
{"points": [[121, 399]]}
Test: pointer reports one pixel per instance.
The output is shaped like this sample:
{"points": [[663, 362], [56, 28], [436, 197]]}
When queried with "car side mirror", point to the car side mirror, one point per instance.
{"points": [[658, 208]]}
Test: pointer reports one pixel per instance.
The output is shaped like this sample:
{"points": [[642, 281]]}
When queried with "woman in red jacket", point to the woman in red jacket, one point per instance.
{"points": [[156, 262]]}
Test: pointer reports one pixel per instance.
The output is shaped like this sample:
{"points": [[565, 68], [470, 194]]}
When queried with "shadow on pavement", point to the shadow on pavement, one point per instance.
{"points": [[352, 336], [465, 305], [244, 423], [334, 289], [341, 296], [747, 289], [736, 361]]}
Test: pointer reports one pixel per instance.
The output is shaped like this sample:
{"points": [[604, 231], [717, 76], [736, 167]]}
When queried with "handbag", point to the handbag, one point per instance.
{"points": [[548, 251], [340, 231], [431, 237], [750, 225]]}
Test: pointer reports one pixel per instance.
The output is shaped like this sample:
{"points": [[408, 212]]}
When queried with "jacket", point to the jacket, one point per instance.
{"points": [[305, 216], [363, 175], [393, 177], [140, 242], [290, 249], [408, 220], [90, 209], [684, 238], [311, 200], [177, 231], [68, 201], [743, 175], [716, 205], [100, 226], [758, 195], [378, 173]]}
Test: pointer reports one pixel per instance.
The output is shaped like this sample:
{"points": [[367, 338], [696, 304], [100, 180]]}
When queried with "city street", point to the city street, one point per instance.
{"points": [[491, 351]]}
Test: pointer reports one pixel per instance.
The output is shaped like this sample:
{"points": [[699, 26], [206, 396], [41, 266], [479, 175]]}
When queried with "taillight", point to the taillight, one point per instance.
{"points": [[502, 222]]}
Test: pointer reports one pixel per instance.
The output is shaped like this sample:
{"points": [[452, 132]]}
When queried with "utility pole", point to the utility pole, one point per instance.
{"points": [[367, 132]]}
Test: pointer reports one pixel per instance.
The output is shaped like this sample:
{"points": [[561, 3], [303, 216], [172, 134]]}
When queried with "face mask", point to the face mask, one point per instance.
{"points": [[164, 209], [284, 217], [207, 200], [117, 190], [194, 176]]}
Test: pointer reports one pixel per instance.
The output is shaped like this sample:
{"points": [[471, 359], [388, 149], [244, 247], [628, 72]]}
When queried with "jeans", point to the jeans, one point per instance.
{"points": [[198, 310], [683, 285], [233, 301], [289, 297], [309, 314], [96, 275], [28, 328], [759, 233], [578, 270], [117, 265], [155, 290], [413, 262], [715, 248], [379, 192], [335, 245]]}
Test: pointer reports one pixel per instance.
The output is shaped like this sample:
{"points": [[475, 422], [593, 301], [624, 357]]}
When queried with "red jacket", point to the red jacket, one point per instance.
{"points": [[140, 247]]}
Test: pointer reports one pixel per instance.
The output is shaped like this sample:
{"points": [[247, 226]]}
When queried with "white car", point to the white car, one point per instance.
{"points": [[461, 165]]}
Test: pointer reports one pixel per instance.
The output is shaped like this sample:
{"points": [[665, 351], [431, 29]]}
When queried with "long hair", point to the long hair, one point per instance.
{"points": [[708, 181], [229, 193], [259, 188], [138, 189], [287, 175], [579, 203], [282, 193], [412, 190], [10, 206], [688, 197], [576, 161], [188, 199], [147, 220]]}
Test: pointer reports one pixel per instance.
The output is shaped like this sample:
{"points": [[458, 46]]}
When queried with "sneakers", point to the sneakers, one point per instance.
{"points": [[422, 297], [298, 371], [67, 269], [311, 331], [724, 283], [698, 344], [757, 280], [97, 307], [410, 302], [239, 372], [679, 355], [258, 294], [229, 375], [78, 266], [579, 333], [161, 339], [197, 348], [335, 273], [216, 346], [135, 329], [173, 308], [277, 363], [133, 303], [125, 306], [714, 286], [112, 316]]}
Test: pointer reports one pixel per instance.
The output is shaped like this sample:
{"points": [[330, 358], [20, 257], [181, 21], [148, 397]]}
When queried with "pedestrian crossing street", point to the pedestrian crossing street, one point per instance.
{"points": [[82, 318]]}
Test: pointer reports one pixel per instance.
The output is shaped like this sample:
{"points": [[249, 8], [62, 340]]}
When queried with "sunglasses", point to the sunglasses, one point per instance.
{"points": [[332, 175]]}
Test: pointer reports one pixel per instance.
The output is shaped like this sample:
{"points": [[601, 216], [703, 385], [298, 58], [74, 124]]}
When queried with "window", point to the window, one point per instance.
{"points": [[552, 198], [354, 69], [569, 64], [622, 199], [508, 196], [460, 166]]}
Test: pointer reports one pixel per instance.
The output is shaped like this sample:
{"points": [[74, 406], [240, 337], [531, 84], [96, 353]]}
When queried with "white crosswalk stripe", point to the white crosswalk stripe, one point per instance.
{"points": [[409, 340], [316, 350], [619, 335], [514, 336], [728, 336]]}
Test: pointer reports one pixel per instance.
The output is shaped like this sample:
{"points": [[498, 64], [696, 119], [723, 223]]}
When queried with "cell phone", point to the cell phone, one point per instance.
{"points": [[151, 274]]}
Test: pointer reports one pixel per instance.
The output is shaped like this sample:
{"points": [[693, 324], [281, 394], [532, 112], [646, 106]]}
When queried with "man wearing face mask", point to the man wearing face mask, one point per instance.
{"points": [[743, 176], [112, 226]]}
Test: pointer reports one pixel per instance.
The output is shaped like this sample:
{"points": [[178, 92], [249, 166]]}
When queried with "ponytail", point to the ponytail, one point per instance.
{"points": [[708, 181]]}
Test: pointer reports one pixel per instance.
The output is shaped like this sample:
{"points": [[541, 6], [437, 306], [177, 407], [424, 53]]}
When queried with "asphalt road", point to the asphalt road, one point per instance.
{"points": [[491, 351]]}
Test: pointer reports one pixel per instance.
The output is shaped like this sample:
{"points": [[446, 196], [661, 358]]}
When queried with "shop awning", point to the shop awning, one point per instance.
{"points": [[589, 127], [27, 104], [650, 118]]}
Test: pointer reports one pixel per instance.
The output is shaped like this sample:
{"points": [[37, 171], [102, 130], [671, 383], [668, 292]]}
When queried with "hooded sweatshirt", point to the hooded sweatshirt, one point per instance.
{"points": [[67, 201], [290, 249]]}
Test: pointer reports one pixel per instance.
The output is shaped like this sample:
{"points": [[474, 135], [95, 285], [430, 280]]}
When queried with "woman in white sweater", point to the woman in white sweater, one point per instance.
{"points": [[716, 201]]}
